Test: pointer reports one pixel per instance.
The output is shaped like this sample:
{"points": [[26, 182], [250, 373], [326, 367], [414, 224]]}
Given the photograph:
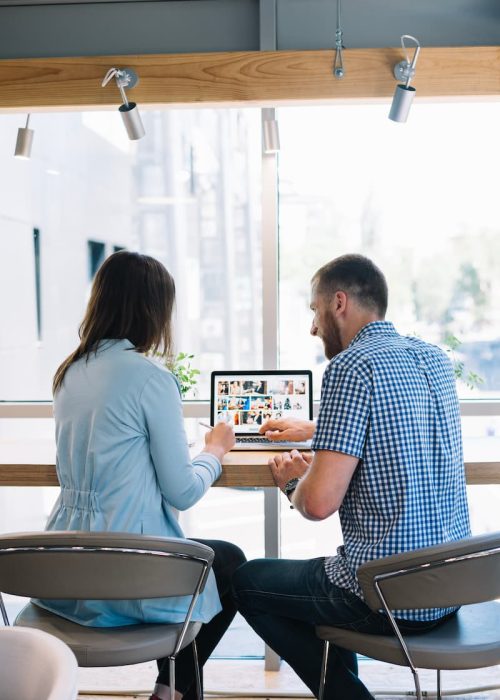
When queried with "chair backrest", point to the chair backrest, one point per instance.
{"points": [[101, 565], [456, 573], [35, 665]]}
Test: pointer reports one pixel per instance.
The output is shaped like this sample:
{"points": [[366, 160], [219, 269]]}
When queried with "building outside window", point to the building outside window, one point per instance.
{"points": [[38, 285], [96, 257]]}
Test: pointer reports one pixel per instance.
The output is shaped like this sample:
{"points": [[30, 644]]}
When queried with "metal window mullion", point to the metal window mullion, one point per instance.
{"points": [[270, 295], [270, 298], [270, 346], [269, 180]]}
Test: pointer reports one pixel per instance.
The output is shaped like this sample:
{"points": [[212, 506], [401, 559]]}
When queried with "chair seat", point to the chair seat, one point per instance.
{"points": [[470, 639], [108, 646]]}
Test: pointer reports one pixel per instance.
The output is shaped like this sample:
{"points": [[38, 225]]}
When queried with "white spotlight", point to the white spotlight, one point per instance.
{"points": [[24, 141], [127, 78], [270, 132], [404, 94]]}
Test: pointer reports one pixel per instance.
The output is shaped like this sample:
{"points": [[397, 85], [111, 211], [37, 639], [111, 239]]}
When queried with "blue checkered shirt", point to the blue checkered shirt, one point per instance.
{"points": [[391, 401]]}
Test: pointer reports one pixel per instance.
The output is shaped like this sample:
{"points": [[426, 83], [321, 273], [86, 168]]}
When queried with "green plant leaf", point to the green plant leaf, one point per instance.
{"points": [[180, 366]]}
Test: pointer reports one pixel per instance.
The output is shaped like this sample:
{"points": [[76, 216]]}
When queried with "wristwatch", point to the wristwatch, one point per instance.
{"points": [[290, 486]]}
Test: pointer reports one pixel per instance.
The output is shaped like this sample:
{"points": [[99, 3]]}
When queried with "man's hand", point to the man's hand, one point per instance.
{"points": [[288, 465], [288, 429]]}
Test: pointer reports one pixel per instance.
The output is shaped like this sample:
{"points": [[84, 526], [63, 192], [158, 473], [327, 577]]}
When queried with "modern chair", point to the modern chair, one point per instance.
{"points": [[465, 572], [35, 666], [106, 566]]}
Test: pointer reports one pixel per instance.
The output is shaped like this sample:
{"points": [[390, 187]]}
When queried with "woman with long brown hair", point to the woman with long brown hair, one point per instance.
{"points": [[122, 456]]}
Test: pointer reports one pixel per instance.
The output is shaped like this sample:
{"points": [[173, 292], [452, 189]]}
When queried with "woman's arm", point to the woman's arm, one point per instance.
{"points": [[182, 481]]}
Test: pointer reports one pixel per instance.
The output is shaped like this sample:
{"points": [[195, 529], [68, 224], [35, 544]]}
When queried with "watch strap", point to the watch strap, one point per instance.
{"points": [[290, 486]]}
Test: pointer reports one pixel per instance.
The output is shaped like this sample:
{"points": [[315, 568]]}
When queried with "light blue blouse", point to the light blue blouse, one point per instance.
{"points": [[124, 466]]}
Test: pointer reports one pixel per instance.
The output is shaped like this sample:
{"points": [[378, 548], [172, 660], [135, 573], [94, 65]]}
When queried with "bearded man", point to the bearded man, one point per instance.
{"points": [[387, 455]]}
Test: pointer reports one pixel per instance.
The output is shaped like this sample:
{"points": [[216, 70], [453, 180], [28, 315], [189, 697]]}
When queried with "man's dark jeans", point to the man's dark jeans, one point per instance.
{"points": [[283, 599], [228, 557]]}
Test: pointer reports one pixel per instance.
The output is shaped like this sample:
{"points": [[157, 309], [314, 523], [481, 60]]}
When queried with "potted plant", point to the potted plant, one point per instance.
{"points": [[187, 376], [472, 380]]}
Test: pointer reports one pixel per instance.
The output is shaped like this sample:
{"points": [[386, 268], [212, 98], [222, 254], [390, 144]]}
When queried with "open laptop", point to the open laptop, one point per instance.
{"points": [[248, 399]]}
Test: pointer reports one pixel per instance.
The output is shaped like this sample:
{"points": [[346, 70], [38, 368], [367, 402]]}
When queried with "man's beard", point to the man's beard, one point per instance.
{"points": [[331, 338]]}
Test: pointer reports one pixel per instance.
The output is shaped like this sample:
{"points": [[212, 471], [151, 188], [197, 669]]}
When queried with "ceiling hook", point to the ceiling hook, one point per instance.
{"points": [[338, 66]]}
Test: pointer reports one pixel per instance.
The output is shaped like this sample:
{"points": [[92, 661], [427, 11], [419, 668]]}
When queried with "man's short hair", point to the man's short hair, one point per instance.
{"points": [[357, 276]]}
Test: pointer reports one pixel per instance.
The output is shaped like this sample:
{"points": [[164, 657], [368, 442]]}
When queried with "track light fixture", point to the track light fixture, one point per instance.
{"points": [[404, 94], [24, 141], [270, 132], [127, 78]]}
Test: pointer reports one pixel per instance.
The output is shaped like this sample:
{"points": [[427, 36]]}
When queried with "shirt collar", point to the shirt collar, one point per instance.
{"points": [[374, 328], [115, 343]]}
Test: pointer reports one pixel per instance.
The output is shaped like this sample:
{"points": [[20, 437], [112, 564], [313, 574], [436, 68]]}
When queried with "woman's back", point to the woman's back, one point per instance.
{"points": [[102, 438], [124, 466], [122, 456]]}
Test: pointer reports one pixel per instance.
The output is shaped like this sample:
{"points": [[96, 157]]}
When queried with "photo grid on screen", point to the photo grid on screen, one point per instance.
{"points": [[248, 402]]}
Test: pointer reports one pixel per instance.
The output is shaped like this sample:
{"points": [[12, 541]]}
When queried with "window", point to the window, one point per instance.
{"points": [[38, 283], [420, 199], [173, 196], [97, 254], [176, 195]]}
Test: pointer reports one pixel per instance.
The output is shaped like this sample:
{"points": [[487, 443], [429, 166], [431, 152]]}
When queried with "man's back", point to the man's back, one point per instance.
{"points": [[391, 401]]}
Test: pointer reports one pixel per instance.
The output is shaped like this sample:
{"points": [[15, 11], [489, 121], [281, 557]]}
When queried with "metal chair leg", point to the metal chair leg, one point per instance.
{"points": [[4, 612], [324, 665], [416, 679], [199, 693], [171, 666], [438, 694]]}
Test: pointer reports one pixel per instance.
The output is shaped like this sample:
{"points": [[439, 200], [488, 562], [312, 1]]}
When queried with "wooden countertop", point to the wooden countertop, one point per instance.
{"points": [[34, 465], [239, 469]]}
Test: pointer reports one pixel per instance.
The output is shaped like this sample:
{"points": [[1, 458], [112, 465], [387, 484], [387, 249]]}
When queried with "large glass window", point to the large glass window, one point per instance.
{"points": [[420, 199], [188, 194]]}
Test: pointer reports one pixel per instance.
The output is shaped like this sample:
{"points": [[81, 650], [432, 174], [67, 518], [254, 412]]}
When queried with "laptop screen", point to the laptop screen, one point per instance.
{"points": [[246, 400]]}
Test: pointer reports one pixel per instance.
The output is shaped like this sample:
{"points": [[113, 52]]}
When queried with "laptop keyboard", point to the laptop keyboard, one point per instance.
{"points": [[253, 439]]}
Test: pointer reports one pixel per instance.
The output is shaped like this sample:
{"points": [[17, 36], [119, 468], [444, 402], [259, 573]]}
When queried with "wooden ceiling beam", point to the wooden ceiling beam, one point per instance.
{"points": [[260, 78]]}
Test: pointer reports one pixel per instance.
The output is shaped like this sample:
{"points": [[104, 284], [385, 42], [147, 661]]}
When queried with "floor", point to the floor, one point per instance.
{"points": [[247, 679]]}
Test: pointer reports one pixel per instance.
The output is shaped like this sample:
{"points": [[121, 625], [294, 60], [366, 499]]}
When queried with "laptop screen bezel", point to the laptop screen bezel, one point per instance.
{"points": [[257, 373]]}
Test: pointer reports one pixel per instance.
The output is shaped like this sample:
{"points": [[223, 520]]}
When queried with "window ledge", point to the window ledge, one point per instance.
{"points": [[201, 409]]}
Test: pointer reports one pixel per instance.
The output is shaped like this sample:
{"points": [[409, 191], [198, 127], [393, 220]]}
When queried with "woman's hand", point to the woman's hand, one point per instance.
{"points": [[288, 429], [220, 440]]}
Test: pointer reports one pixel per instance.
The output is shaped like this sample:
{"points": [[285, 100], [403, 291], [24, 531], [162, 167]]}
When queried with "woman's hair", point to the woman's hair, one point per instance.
{"points": [[132, 297]]}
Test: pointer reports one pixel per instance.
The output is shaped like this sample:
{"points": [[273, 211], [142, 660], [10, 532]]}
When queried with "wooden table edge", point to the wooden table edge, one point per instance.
{"points": [[237, 472]]}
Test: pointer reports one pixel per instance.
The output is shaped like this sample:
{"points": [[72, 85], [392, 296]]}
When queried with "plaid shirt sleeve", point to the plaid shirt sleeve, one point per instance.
{"points": [[344, 413]]}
